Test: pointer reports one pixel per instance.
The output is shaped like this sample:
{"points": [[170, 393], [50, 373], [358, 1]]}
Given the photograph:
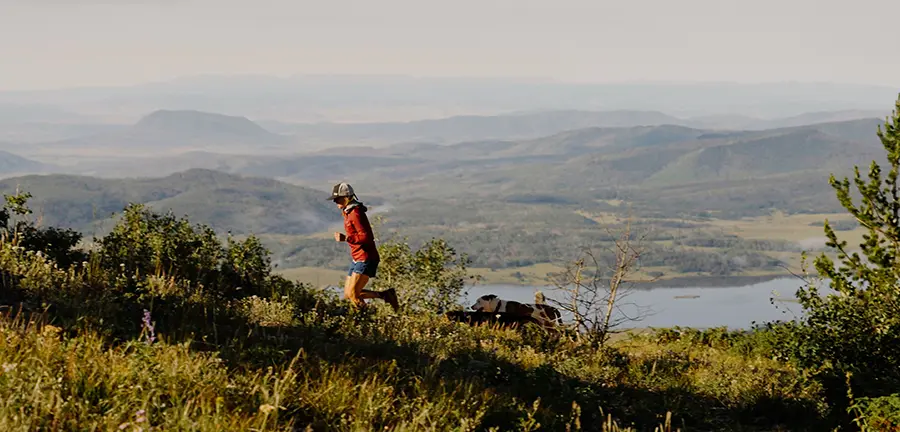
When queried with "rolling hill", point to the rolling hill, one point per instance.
{"points": [[536, 125], [312, 168], [577, 166], [791, 152], [225, 202], [166, 131], [587, 163], [510, 202], [11, 164], [472, 127], [196, 124]]}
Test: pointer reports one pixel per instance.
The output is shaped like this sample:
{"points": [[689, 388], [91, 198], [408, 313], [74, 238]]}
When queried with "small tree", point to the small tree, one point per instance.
{"points": [[56, 243], [856, 329], [593, 287], [431, 278], [145, 243]]}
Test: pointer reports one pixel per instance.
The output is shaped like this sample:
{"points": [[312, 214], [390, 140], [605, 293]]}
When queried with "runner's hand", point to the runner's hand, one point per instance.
{"points": [[340, 237]]}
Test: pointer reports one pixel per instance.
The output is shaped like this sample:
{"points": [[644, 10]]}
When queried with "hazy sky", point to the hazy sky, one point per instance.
{"points": [[56, 43]]}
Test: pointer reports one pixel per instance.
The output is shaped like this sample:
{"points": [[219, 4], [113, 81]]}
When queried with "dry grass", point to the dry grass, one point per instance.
{"points": [[52, 379], [785, 227]]}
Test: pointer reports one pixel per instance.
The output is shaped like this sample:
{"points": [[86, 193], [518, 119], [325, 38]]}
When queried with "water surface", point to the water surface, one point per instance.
{"points": [[733, 307]]}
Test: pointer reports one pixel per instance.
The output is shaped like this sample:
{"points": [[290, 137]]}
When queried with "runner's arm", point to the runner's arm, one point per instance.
{"points": [[360, 234]]}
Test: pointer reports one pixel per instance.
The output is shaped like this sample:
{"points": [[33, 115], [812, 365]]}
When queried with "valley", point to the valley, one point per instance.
{"points": [[520, 202]]}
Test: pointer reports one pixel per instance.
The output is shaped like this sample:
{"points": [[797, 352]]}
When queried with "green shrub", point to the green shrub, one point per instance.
{"points": [[429, 279], [877, 413]]}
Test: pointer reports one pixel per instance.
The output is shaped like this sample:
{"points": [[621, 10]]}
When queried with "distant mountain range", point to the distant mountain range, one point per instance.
{"points": [[165, 131], [573, 165], [310, 98], [534, 125], [571, 159], [464, 128], [668, 168], [470, 190]]}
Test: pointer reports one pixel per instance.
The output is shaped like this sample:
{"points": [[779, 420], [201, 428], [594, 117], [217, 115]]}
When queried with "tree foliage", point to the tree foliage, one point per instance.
{"points": [[855, 328], [431, 278], [56, 243], [146, 243]]}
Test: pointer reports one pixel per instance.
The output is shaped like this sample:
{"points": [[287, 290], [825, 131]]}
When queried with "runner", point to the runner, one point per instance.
{"points": [[363, 251]]}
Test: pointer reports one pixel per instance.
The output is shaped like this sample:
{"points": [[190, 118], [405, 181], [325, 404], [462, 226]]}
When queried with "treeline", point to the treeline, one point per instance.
{"points": [[805, 193], [724, 263], [738, 243]]}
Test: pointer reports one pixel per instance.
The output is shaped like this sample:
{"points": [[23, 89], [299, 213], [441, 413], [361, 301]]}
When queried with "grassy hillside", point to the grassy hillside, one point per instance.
{"points": [[224, 201], [414, 379], [219, 342], [792, 152]]}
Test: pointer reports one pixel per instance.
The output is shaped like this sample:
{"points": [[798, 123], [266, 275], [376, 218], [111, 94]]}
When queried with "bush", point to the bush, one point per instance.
{"points": [[183, 275], [146, 243], [431, 279]]}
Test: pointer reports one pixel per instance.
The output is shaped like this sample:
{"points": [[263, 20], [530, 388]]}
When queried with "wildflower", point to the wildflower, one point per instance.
{"points": [[266, 408], [9, 367], [148, 326]]}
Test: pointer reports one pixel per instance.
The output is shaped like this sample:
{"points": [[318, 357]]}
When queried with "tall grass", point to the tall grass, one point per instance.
{"points": [[53, 380]]}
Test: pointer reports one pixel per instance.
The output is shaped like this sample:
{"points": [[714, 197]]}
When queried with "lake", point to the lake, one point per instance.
{"points": [[733, 307]]}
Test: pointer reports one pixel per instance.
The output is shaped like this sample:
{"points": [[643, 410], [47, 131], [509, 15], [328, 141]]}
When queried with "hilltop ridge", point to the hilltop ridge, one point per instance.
{"points": [[227, 202], [193, 122], [171, 130], [11, 163]]}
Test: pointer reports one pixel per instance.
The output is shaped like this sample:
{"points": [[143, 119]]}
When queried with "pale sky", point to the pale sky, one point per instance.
{"points": [[62, 43]]}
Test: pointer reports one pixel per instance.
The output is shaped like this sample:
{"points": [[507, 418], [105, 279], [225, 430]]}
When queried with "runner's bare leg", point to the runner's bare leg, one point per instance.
{"points": [[354, 291]]}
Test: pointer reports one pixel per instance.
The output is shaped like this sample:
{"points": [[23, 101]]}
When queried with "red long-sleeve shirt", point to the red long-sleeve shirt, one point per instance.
{"points": [[359, 235]]}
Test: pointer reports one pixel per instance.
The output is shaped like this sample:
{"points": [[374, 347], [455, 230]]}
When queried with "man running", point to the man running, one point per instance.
{"points": [[363, 251]]}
